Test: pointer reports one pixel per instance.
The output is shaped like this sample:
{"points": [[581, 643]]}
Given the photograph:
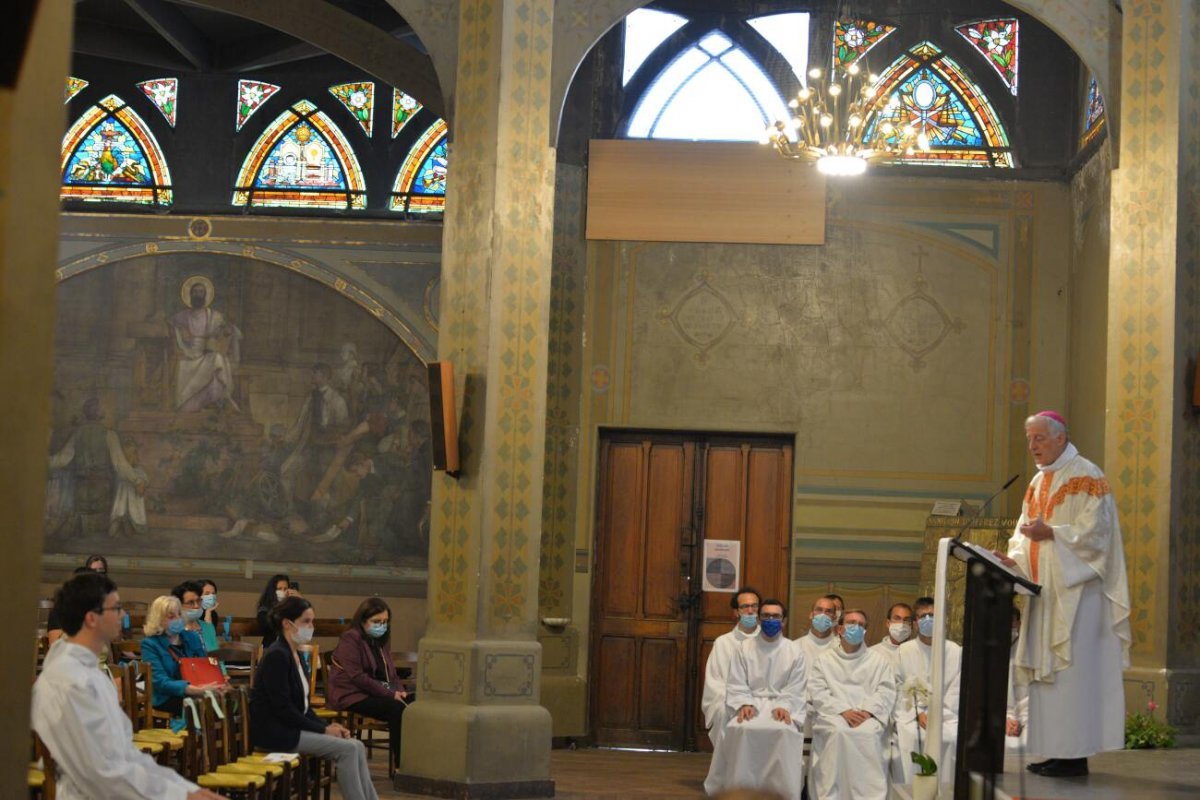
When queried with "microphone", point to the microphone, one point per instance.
{"points": [[967, 525]]}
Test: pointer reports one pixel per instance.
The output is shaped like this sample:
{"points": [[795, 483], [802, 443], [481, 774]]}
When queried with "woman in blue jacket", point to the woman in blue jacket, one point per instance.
{"points": [[280, 717], [165, 646]]}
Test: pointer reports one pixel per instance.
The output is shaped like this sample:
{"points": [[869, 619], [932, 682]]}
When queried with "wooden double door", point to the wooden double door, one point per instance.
{"points": [[660, 495]]}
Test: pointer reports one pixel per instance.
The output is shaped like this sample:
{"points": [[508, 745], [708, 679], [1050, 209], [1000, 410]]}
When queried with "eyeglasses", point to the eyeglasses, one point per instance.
{"points": [[771, 616], [119, 607], [747, 606]]}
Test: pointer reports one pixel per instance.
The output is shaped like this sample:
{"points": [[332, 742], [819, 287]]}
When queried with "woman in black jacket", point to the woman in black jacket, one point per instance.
{"points": [[280, 717]]}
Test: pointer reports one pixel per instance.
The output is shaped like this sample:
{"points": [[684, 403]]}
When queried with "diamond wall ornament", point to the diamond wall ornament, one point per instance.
{"points": [[74, 87], [918, 323], [359, 100], [251, 96], [702, 317], [404, 108], [164, 94]]}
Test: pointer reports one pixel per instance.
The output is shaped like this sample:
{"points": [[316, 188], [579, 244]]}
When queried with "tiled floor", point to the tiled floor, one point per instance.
{"points": [[1125, 775]]}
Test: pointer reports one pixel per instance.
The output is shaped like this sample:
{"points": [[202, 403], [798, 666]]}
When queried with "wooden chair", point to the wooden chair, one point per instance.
{"points": [[126, 650], [318, 677], [214, 772], [236, 654], [40, 777], [153, 726], [360, 724]]}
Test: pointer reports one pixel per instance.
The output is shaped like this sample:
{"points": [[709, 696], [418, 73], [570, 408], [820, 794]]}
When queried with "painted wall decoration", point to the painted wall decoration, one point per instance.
{"points": [[208, 404]]}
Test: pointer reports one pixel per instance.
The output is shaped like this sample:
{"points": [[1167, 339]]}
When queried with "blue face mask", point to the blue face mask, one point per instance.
{"points": [[208, 601], [925, 626], [749, 621], [175, 626], [853, 634], [821, 623], [376, 629], [772, 627], [192, 614]]}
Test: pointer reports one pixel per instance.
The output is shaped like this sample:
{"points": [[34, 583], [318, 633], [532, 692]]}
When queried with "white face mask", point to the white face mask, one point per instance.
{"points": [[303, 634], [900, 631], [280, 594]]}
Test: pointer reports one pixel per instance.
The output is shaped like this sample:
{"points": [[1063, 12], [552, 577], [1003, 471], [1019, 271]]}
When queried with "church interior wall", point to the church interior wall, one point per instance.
{"points": [[902, 356]]}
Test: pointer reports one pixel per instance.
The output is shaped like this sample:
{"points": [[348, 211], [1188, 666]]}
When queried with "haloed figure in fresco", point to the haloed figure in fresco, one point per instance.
{"points": [[208, 347]]}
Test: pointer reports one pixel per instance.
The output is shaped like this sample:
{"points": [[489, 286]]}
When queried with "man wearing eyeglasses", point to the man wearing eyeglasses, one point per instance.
{"points": [[763, 747], [745, 614], [77, 714]]}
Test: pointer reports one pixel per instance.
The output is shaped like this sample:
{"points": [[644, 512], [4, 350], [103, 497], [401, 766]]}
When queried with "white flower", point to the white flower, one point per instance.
{"points": [[997, 39], [854, 36], [251, 95], [358, 98], [916, 693]]}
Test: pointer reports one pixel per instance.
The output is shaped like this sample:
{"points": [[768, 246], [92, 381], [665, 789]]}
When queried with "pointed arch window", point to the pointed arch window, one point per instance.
{"points": [[1093, 113], [713, 90], [302, 160], [109, 155], [420, 186], [927, 88], [645, 30]]}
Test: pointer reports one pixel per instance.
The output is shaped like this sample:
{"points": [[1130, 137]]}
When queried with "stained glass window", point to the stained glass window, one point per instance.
{"points": [[645, 30], [163, 93], [420, 186], [713, 90], [404, 108], [302, 160], [852, 38], [359, 100], [1093, 113], [109, 155], [251, 96], [787, 33], [998, 40], [74, 87], [928, 89]]}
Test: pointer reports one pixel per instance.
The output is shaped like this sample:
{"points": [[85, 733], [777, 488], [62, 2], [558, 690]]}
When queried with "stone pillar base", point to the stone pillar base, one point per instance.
{"points": [[469, 751], [1176, 691]]}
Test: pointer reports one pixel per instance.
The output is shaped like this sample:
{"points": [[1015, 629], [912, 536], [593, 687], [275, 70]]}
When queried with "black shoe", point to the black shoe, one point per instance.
{"points": [[1038, 766], [1064, 768]]}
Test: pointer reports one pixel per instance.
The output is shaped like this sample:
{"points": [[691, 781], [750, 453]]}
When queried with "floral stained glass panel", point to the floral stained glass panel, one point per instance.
{"points": [[164, 94], [852, 38], [110, 155], [998, 40], [251, 96], [74, 87], [404, 108], [359, 100]]}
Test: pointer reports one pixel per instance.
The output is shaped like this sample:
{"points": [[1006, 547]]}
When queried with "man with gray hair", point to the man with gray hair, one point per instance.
{"points": [[1075, 635]]}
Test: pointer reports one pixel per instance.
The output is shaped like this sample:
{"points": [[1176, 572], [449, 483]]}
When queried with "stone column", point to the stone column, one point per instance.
{"points": [[1152, 450], [32, 122], [478, 729]]}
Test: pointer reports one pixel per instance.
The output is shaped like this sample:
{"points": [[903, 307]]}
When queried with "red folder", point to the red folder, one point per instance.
{"points": [[201, 671]]}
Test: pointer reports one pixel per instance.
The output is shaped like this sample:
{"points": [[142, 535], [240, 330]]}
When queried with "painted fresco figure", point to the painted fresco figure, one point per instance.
{"points": [[97, 466], [315, 436], [265, 498], [208, 349]]}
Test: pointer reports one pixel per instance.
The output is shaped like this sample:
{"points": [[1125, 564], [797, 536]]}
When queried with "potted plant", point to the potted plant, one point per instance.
{"points": [[925, 781]]}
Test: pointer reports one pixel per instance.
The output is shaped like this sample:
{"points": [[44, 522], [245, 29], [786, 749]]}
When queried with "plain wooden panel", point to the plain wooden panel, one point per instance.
{"points": [[667, 505], [670, 191], [614, 692], [660, 685], [724, 513], [621, 536], [767, 519]]}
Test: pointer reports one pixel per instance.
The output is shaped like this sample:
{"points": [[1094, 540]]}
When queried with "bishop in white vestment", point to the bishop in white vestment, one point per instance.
{"points": [[914, 664], [716, 671], [763, 747], [1075, 636], [853, 692]]}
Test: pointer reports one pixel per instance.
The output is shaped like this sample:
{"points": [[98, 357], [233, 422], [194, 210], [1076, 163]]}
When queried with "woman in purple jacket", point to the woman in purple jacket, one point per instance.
{"points": [[362, 674]]}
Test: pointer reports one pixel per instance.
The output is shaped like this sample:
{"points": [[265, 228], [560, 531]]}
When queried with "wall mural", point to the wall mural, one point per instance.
{"points": [[207, 405]]}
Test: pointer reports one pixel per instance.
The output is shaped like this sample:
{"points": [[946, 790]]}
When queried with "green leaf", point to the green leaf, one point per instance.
{"points": [[926, 763]]}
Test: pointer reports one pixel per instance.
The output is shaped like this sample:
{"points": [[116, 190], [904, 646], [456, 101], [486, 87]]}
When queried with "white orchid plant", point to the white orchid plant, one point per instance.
{"points": [[916, 693]]}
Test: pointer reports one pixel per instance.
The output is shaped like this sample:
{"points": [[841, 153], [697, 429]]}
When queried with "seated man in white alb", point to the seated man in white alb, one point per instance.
{"points": [[762, 747], [817, 640], [914, 668], [1017, 713], [899, 631], [745, 612], [853, 692]]}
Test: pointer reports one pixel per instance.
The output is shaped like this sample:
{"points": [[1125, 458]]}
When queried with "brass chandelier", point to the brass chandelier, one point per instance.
{"points": [[841, 123]]}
